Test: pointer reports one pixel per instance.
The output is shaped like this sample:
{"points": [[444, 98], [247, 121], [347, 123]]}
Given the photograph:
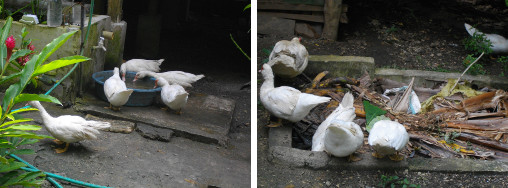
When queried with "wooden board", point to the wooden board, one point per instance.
{"points": [[287, 6], [304, 17]]}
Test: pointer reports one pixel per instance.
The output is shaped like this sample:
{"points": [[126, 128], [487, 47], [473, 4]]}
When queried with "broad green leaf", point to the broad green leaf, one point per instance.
{"points": [[23, 32], [28, 141], [59, 63], [23, 127], [23, 152], [10, 93], [7, 146], [32, 175], [20, 53], [27, 72], [15, 121], [15, 75], [3, 56], [371, 111], [10, 116], [6, 29], [36, 97], [23, 110], [6, 177], [52, 47], [13, 165], [3, 160], [24, 134]]}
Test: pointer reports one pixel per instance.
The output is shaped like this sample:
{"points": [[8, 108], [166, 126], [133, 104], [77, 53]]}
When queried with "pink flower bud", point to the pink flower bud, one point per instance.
{"points": [[10, 42]]}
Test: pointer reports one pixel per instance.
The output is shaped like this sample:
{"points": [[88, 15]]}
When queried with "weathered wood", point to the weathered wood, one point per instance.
{"points": [[332, 12], [307, 2], [311, 18], [115, 10], [483, 141], [287, 6]]}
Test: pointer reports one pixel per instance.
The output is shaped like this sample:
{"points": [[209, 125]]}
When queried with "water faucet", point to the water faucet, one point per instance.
{"points": [[101, 44]]}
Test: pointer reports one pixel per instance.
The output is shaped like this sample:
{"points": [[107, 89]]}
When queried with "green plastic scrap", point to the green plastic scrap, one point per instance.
{"points": [[371, 113], [446, 91]]}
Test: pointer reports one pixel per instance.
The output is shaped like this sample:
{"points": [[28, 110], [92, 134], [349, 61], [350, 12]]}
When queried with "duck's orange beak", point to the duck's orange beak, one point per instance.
{"points": [[135, 78], [155, 84], [123, 77]]}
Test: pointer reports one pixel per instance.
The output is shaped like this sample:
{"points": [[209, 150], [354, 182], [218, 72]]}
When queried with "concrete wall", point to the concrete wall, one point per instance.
{"points": [[81, 79]]}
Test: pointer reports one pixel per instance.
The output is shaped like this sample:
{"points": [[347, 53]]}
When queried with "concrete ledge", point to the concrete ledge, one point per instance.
{"points": [[351, 66], [281, 152], [428, 78]]}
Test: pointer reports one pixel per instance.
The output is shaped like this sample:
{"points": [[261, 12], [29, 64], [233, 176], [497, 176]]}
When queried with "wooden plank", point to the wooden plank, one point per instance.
{"points": [[311, 18], [286, 6], [332, 12], [115, 10]]}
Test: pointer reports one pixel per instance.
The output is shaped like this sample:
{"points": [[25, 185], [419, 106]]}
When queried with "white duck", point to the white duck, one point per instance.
{"points": [[289, 58], [286, 102], [68, 129], [137, 65], [388, 138], [172, 77], [173, 96], [499, 43], [338, 135], [116, 91]]}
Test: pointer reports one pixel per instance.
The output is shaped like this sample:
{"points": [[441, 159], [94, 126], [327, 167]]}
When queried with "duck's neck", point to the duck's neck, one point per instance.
{"points": [[267, 84], [44, 114]]}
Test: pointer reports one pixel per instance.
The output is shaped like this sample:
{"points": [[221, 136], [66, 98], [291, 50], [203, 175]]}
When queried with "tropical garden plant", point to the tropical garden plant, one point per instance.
{"points": [[15, 130]]}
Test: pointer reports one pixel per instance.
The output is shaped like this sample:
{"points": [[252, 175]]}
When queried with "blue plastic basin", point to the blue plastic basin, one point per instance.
{"points": [[140, 97]]}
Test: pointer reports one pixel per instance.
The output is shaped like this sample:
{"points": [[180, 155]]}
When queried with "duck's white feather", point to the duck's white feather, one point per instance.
{"points": [[288, 58], [174, 96], [499, 43], [69, 128], [387, 137], [338, 135], [115, 90], [184, 79], [286, 102]]}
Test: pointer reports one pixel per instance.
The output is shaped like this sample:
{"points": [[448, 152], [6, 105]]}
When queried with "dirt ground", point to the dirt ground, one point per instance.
{"points": [[422, 35], [414, 34]]}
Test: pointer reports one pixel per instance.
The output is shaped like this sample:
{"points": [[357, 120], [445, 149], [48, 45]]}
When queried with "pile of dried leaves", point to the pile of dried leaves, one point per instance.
{"points": [[453, 123]]}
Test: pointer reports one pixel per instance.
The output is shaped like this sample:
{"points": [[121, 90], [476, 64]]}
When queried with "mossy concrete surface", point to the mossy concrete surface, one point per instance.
{"points": [[114, 55], [337, 66], [205, 118]]}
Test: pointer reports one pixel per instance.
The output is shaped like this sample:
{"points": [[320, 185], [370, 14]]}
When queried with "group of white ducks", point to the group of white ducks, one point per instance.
{"points": [[173, 93], [68, 128], [338, 135]]}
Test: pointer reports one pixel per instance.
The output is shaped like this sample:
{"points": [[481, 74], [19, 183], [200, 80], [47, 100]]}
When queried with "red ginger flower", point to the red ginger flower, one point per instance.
{"points": [[10, 42]]}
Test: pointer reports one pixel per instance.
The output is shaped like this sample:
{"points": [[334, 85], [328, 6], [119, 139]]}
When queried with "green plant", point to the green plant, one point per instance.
{"points": [[504, 62], [476, 68], [14, 129], [267, 52], [450, 137], [394, 181], [478, 44], [232, 39], [392, 29]]}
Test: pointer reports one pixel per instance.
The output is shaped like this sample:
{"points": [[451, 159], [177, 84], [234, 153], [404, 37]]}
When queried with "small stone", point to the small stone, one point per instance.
{"points": [[328, 183], [154, 133], [306, 30]]}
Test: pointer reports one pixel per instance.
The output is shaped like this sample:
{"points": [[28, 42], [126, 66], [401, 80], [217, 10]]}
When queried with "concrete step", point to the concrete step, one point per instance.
{"points": [[205, 118]]}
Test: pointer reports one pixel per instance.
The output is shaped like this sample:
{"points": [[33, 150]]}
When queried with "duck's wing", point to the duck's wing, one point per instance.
{"points": [[113, 85], [284, 99]]}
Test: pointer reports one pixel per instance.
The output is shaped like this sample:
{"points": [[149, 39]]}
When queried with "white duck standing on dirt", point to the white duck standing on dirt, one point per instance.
{"points": [[338, 135], [116, 91], [174, 96], [499, 43], [172, 77], [289, 58], [68, 129], [388, 137], [286, 102], [137, 65]]}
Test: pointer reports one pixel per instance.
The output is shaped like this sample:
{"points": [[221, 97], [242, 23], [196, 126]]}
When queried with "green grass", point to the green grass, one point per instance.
{"points": [[395, 181]]}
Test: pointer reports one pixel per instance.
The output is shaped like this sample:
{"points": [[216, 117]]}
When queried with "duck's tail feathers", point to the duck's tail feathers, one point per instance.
{"points": [[99, 125], [159, 62], [125, 93], [471, 30], [347, 101], [198, 77], [312, 100], [282, 59]]}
